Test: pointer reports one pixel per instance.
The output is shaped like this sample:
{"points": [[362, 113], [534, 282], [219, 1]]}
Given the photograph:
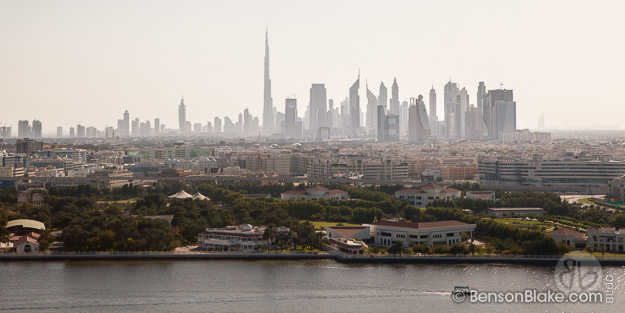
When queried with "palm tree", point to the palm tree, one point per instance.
{"points": [[268, 235]]}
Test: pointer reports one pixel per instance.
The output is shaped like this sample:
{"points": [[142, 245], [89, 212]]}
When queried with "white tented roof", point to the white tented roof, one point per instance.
{"points": [[181, 195], [26, 224], [199, 196]]}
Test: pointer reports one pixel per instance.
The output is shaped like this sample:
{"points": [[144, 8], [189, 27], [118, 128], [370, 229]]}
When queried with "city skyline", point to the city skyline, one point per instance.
{"points": [[72, 75]]}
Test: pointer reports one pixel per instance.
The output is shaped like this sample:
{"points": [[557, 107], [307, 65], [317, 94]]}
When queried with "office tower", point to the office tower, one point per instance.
{"points": [[381, 122], [80, 131], [109, 132], [182, 116], [59, 132], [157, 126], [395, 98], [188, 126], [23, 129], [403, 118], [330, 115], [5, 132], [163, 128], [433, 116], [91, 132], [383, 96], [372, 111], [136, 125], [37, 129], [452, 113], [247, 120], [418, 123], [72, 132], [463, 104], [209, 127], [482, 110], [502, 116], [268, 119], [354, 106], [290, 118], [125, 131], [197, 127], [391, 128], [217, 124], [317, 107], [229, 127]]}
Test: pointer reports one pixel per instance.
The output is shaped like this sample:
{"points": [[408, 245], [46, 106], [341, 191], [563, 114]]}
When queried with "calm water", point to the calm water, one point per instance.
{"points": [[272, 286]]}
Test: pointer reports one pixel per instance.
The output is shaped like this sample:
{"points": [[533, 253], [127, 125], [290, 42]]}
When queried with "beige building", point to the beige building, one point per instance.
{"points": [[421, 197]]}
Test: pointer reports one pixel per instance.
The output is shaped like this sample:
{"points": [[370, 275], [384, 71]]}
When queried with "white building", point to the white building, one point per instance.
{"points": [[421, 197], [571, 238], [430, 233], [315, 193], [515, 211], [607, 238], [232, 238]]}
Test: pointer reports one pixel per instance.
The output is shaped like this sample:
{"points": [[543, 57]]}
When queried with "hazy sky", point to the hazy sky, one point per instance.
{"points": [[65, 62]]}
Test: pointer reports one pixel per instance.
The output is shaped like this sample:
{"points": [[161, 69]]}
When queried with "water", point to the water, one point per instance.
{"points": [[272, 286]]}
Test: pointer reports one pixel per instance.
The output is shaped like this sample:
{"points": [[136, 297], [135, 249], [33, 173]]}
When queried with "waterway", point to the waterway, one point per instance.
{"points": [[277, 286]]}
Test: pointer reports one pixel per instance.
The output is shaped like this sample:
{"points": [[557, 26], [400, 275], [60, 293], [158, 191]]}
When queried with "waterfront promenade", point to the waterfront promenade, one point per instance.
{"points": [[617, 260]]}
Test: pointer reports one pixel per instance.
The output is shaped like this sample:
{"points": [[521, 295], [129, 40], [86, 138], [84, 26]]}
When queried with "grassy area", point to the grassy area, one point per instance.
{"points": [[586, 200], [322, 225], [519, 222]]}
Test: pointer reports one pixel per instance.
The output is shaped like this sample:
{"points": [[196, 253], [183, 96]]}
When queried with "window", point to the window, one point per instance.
{"points": [[437, 236], [424, 236], [450, 234]]}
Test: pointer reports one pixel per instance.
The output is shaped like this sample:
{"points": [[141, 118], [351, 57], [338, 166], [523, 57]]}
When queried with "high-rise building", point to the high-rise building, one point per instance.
{"points": [[482, 110], [125, 131], [403, 118], [381, 122], [452, 114], [268, 118], [418, 123], [433, 116], [372, 111], [23, 129], [317, 107], [37, 129], [354, 106], [395, 98], [383, 96], [247, 120], [59, 132], [72, 132], [217, 125], [463, 104], [197, 127], [391, 128], [157, 126], [136, 127], [5, 132], [182, 117], [290, 119], [80, 131], [502, 116]]}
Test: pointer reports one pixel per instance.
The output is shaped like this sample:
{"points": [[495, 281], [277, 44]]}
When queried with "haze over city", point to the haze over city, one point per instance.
{"points": [[87, 62]]}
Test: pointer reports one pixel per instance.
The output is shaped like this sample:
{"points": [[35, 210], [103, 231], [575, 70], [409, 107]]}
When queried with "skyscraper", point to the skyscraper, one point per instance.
{"points": [[217, 124], [501, 114], [433, 116], [418, 123], [383, 96], [268, 119], [37, 129], [381, 122], [23, 129], [372, 111], [157, 126], [126, 130], [452, 115], [354, 106], [483, 110], [317, 107], [395, 98], [290, 119], [182, 117], [247, 120], [59, 132]]}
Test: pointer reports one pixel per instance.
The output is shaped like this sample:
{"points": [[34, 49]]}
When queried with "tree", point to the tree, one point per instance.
{"points": [[396, 248]]}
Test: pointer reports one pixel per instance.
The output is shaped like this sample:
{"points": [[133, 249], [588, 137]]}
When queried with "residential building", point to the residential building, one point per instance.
{"points": [[606, 238]]}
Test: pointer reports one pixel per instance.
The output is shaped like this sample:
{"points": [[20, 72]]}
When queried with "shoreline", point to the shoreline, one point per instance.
{"points": [[341, 258]]}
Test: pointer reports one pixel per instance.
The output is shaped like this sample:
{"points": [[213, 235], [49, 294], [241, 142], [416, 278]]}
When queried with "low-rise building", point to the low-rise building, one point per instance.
{"points": [[315, 193], [515, 211], [480, 195], [424, 195], [232, 238], [349, 246], [608, 238], [571, 238], [338, 232], [429, 233]]}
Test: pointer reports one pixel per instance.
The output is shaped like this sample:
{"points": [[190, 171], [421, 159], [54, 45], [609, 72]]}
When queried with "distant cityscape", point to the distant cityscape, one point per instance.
{"points": [[492, 116]]}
